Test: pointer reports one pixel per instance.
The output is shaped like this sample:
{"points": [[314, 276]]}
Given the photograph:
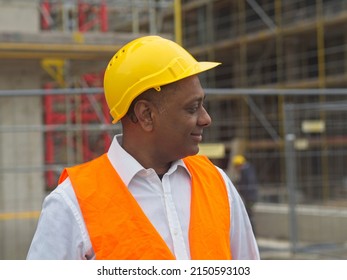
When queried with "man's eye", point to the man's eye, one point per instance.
{"points": [[193, 109]]}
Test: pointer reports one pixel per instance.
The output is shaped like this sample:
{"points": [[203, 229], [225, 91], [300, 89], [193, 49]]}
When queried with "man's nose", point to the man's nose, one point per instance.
{"points": [[204, 118]]}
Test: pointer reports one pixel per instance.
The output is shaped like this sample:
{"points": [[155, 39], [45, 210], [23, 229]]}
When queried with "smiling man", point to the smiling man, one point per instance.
{"points": [[150, 196]]}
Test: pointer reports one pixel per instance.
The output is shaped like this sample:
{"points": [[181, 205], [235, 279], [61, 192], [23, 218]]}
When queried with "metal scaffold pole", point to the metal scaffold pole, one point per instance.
{"points": [[178, 21], [291, 176]]}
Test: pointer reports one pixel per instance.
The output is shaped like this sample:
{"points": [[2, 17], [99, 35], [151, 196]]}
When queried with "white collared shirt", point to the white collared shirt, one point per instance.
{"points": [[61, 232]]}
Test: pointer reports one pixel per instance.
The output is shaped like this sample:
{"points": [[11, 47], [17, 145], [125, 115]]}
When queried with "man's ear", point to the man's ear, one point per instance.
{"points": [[143, 110]]}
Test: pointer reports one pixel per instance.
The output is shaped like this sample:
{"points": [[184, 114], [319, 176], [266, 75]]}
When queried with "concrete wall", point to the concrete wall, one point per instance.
{"points": [[315, 224], [19, 16]]}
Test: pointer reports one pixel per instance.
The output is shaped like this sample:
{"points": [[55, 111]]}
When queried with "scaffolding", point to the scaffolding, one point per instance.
{"points": [[271, 45], [67, 16], [84, 17], [67, 147]]}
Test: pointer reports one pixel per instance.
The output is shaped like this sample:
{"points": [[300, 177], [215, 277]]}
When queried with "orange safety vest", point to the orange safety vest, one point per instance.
{"points": [[119, 229]]}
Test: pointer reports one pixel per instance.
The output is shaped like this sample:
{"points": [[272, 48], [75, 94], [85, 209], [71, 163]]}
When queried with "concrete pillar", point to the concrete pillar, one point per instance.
{"points": [[21, 180], [21, 161]]}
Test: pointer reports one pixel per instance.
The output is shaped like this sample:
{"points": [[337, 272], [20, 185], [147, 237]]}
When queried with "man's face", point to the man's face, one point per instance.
{"points": [[181, 120]]}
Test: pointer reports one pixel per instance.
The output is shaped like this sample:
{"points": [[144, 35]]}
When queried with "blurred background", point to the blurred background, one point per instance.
{"points": [[279, 100]]}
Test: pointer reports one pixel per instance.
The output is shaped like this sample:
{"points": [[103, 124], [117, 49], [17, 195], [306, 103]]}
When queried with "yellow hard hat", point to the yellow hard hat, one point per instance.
{"points": [[238, 160], [144, 63]]}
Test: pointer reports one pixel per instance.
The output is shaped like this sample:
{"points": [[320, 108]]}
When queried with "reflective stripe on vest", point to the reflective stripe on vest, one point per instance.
{"points": [[119, 229]]}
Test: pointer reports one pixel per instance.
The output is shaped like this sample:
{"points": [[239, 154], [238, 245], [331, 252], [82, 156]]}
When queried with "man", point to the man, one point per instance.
{"points": [[246, 184], [148, 197]]}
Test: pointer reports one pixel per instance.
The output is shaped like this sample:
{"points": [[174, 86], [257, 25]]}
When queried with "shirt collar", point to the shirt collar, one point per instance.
{"points": [[127, 166]]}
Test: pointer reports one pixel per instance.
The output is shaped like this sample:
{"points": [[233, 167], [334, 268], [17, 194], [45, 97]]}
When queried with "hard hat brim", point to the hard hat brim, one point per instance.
{"points": [[206, 65]]}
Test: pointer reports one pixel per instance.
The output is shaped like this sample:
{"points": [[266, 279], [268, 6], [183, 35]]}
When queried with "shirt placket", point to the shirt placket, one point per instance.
{"points": [[174, 223]]}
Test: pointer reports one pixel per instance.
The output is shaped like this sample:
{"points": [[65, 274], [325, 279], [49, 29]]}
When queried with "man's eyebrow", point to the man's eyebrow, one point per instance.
{"points": [[194, 100]]}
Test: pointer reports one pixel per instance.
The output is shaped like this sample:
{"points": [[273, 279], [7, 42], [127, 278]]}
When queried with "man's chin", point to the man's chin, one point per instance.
{"points": [[194, 151]]}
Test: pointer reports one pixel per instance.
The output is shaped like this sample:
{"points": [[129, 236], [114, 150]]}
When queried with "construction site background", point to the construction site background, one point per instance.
{"points": [[279, 98]]}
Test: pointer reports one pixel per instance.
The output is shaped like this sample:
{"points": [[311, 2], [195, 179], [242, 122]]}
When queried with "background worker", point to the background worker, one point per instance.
{"points": [[148, 197], [246, 183]]}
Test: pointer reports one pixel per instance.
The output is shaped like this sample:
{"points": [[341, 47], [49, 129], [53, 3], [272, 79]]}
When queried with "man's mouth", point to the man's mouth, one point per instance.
{"points": [[197, 137]]}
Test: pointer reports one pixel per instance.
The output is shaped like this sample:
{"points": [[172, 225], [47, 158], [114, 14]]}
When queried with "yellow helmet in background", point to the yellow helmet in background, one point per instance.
{"points": [[144, 63], [238, 160]]}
